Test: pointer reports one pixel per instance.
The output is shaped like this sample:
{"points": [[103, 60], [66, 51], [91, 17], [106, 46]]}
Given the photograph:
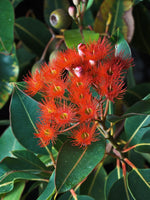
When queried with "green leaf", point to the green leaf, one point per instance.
{"points": [[6, 26], [94, 185], [118, 191], [116, 118], [121, 45], [138, 183], [33, 34], [74, 163], [137, 1], [89, 4], [137, 93], [136, 158], [137, 126], [115, 175], [116, 9], [73, 37], [142, 18], [88, 18], [12, 169], [8, 145], [83, 197], [141, 108], [30, 159], [9, 70], [144, 144], [50, 189], [16, 192], [25, 59], [24, 116], [15, 3]]}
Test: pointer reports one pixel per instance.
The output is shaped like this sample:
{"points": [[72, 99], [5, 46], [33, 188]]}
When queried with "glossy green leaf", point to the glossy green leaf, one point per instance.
{"points": [[74, 163], [9, 70], [137, 126], [136, 158], [24, 116], [8, 145], [46, 158], [33, 33], [114, 175], [89, 4], [16, 192], [121, 45], [144, 144], [146, 156], [94, 185], [118, 191], [12, 169], [139, 183], [73, 37], [50, 6], [30, 159], [83, 197], [15, 3], [6, 26], [49, 190]]}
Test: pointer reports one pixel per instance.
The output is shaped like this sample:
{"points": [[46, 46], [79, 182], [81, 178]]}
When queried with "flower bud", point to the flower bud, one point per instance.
{"points": [[53, 55], [37, 66], [72, 11], [84, 1], [78, 71], [76, 2], [81, 49], [60, 19]]}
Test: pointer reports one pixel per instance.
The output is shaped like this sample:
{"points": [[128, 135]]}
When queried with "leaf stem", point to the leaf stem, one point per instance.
{"points": [[106, 108], [74, 194], [4, 122], [46, 48]]}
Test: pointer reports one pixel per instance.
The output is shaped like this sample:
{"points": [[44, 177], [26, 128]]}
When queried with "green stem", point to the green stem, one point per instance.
{"points": [[4, 122]]}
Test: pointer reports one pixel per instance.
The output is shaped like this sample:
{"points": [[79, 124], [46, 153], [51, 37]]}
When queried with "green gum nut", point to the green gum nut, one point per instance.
{"points": [[60, 19], [53, 55], [37, 66]]}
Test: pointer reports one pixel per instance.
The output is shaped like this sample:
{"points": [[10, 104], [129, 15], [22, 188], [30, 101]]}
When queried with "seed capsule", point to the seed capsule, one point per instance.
{"points": [[60, 19]]}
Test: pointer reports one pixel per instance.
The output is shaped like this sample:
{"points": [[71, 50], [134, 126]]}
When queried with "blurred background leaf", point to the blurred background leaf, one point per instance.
{"points": [[9, 71], [6, 26]]}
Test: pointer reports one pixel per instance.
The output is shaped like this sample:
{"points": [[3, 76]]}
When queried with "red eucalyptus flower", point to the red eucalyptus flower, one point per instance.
{"points": [[69, 102]]}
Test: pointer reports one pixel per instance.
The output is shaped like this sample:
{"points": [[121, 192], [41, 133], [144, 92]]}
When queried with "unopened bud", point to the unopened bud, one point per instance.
{"points": [[81, 49], [76, 2], [84, 1], [53, 55], [37, 66], [78, 71], [92, 62], [72, 11]]}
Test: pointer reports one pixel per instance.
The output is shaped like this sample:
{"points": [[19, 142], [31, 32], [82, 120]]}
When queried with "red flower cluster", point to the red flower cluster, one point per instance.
{"points": [[68, 100]]}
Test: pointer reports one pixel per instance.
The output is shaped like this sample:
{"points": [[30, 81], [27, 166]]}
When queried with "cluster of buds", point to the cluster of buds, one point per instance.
{"points": [[77, 11], [66, 85]]}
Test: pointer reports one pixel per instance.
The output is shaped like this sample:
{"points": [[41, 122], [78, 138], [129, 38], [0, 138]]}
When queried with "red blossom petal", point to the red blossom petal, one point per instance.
{"points": [[84, 136]]}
